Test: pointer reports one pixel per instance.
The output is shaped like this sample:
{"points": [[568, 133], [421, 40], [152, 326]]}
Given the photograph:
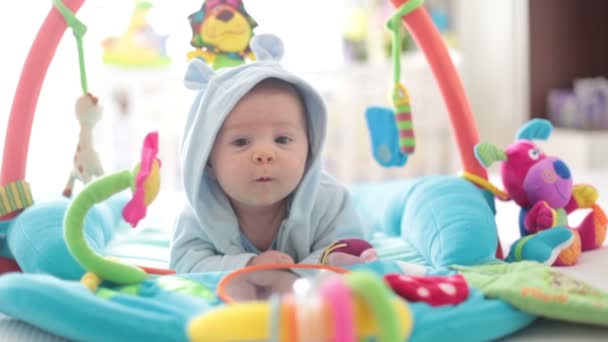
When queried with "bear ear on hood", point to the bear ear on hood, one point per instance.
{"points": [[535, 129], [197, 75], [267, 47]]}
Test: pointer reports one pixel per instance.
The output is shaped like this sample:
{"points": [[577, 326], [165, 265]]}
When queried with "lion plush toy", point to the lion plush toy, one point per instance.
{"points": [[221, 31], [542, 186]]}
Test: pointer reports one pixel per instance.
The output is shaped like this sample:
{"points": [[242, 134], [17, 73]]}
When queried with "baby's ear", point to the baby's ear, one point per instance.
{"points": [[267, 47], [197, 75]]}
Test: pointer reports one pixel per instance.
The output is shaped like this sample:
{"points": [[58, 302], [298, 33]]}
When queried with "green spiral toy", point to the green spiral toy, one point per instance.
{"points": [[144, 181]]}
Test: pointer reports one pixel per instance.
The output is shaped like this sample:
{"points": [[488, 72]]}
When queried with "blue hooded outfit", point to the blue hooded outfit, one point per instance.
{"points": [[207, 236]]}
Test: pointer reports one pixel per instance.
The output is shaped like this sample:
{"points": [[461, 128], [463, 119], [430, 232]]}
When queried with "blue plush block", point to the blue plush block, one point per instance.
{"points": [[450, 222], [447, 219], [380, 205], [68, 309], [544, 246], [4, 251], [35, 237], [477, 319], [522, 220], [384, 136]]}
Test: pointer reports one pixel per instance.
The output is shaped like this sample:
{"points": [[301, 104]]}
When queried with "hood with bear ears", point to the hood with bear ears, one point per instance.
{"points": [[218, 93]]}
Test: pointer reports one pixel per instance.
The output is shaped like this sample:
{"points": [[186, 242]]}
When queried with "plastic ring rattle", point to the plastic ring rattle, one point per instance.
{"points": [[339, 299]]}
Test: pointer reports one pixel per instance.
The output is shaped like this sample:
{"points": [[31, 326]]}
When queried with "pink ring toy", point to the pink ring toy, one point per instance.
{"points": [[339, 298]]}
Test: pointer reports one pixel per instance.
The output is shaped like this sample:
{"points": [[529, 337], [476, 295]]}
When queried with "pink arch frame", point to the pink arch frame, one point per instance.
{"points": [[425, 33], [462, 120], [17, 140]]}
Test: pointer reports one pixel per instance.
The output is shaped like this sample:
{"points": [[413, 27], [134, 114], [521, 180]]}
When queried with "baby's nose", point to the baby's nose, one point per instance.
{"points": [[263, 157]]}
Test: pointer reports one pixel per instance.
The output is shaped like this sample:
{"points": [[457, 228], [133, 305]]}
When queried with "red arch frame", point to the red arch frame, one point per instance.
{"points": [[19, 128], [462, 120]]}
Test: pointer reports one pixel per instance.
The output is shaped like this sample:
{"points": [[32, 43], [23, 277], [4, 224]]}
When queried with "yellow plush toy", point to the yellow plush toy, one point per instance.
{"points": [[140, 45], [221, 31]]}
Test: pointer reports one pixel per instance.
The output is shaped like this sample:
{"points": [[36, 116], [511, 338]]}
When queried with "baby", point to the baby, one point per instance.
{"points": [[251, 166]]}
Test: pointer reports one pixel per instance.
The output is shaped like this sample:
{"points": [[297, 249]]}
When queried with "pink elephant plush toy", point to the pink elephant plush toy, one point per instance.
{"points": [[542, 186]]}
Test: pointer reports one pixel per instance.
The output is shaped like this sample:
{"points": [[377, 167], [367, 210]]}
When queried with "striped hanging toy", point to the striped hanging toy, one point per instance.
{"points": [[400, 96], [391, 129]]}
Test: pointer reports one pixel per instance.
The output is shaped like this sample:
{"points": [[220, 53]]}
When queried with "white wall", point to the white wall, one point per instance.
{"points": [[493, 38]]}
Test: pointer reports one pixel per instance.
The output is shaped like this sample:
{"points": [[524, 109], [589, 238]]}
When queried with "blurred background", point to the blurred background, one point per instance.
{"points": [[518, 59]]}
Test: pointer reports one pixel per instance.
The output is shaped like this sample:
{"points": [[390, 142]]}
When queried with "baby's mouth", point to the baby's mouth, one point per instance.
{"points": [[263, 179]]}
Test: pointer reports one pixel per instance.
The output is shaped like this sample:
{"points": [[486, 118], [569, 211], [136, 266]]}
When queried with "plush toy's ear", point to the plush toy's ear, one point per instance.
{"points": [[535, 129], [487, 154], [267, 47], [197, 75]]}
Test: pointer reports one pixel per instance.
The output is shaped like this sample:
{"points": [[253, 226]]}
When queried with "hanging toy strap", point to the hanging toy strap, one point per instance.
{"points": [[400, 95], [79, 29]]}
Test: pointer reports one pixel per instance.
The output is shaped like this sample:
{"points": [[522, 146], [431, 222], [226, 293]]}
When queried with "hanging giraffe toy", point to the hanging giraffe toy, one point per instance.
{"points": [[86, 164], [86, 160]]}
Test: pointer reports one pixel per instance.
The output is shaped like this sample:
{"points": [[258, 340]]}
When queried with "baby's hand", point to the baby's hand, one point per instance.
{"points": [[271, 257]]}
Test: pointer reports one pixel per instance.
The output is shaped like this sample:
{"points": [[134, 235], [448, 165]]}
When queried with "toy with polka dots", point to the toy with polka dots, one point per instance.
{"points": [[433, 290]]}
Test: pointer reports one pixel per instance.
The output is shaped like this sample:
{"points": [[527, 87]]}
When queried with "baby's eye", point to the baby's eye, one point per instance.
{"points": [[283, 140], [240, 142]]}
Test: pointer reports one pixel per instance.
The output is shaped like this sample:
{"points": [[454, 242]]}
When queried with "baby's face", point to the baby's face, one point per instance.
{"points": [[260, 153]]}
